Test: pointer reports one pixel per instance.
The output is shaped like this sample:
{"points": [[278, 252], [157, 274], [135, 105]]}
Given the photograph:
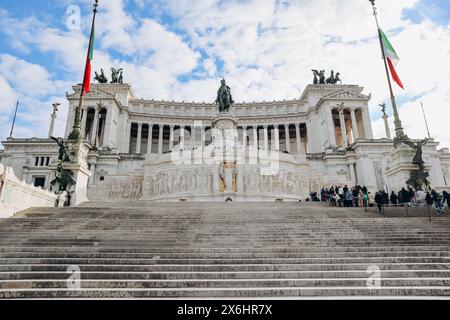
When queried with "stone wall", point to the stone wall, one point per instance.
{"points": [[17, 195]]}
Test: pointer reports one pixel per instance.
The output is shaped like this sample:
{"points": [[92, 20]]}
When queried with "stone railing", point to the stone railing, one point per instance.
{"points": [[16, 195]]}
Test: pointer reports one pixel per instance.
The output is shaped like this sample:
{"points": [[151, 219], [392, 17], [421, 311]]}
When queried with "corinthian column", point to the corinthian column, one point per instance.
{"points": [[354, 125], [139, 138], [160, 141], [277, 137], [343, 128], [288, 138], [150, 138], [171, 138], [95, 128], [298, 138], [266, 138]]}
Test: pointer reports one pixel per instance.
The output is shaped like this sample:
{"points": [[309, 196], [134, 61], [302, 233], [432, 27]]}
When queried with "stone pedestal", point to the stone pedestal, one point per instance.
{"points": [[78, 153], [226, 149], [400, 167]]}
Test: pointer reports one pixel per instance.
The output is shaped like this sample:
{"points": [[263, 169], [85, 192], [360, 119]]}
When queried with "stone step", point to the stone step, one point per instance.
{"points": [[228, 283], [209, 256], [143, 275], [267, 261], [235, 293], [224, 267], [228, 250]]}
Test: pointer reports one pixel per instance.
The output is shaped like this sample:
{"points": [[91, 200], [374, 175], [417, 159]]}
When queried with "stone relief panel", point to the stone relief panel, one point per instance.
{"points": [[182, 182], [288, 183], [130, 189]]}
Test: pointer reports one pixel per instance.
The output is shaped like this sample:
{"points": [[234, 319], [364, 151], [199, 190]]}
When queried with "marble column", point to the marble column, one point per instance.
{"points": [[255, 137], [343, 128], [150, 138], [308, 138], [298, 138], [92, 177], [386, 126], [182, 137], [366, 121], [192, 137], [83, 123], [277, 137], [351, 174], [354, 125], [52, 125], [107, 135], [95, 127], [266, 138], [160, 141], [139, 138], [288, 138], [128, 137], [244, 138], [171, 137], [331, 129]]}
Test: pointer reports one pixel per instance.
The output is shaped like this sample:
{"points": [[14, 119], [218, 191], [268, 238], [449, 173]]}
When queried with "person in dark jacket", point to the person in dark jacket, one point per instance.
{"points": [[379, 201], [405, 195], [429, 199], [394, 198], [446, 197], [400, 198]]}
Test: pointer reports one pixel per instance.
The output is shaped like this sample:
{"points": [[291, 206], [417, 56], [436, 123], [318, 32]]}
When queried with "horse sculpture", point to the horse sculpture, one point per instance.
{"points": [[224, 98]]}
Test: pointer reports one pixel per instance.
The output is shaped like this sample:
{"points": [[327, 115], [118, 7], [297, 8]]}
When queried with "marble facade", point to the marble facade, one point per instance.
{"points": [[170, 151]]}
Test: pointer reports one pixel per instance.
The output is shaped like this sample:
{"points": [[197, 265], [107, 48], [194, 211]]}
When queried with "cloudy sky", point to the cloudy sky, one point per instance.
{"points": [[180, 49]]}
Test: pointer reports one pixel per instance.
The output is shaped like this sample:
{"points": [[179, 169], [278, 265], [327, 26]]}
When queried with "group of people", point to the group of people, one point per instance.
{"points": [[358, 196]]}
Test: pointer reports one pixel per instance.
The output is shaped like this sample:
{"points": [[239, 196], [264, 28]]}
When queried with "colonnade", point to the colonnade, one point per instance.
{"points": [[160, 138]]}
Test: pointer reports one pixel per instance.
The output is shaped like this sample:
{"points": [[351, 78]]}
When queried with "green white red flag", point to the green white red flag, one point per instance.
{"points": [[391, 57], [88, 69]]}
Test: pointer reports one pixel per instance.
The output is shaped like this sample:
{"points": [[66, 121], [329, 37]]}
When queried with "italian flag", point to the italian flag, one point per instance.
{"points": [[90, 57], [391, 57]]}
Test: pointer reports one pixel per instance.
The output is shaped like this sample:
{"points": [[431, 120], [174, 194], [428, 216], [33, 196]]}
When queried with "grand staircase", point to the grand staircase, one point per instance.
{"points": [[224, 250]]}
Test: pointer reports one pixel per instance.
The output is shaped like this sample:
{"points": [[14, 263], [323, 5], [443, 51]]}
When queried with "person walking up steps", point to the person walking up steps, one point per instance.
{"points": [[365, 200]]}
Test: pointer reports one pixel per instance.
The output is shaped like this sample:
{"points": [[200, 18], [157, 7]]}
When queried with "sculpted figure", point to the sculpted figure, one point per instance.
{"points": [[418, 160], [224, 98], [63, 155]]}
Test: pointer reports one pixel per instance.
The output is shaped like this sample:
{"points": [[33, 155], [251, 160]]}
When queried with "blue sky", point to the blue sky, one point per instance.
{"points": [[179, 50]]}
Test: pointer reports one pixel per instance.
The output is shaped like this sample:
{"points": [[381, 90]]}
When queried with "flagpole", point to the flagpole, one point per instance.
{"points": [[76, 131], [426, 122], [399, 134], [14, 120]]}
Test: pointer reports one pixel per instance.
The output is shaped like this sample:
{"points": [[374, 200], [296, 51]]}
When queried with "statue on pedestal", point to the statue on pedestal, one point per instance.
{"points": [[418, 177], [224, 98]]}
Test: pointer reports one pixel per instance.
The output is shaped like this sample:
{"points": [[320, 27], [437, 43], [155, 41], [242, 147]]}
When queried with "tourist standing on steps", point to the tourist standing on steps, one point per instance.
{"points": [[379, 201], [365, 200], [370, 200], [429, 199], [349, 199], [394, 198], [341, 195], [438, 202]]}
